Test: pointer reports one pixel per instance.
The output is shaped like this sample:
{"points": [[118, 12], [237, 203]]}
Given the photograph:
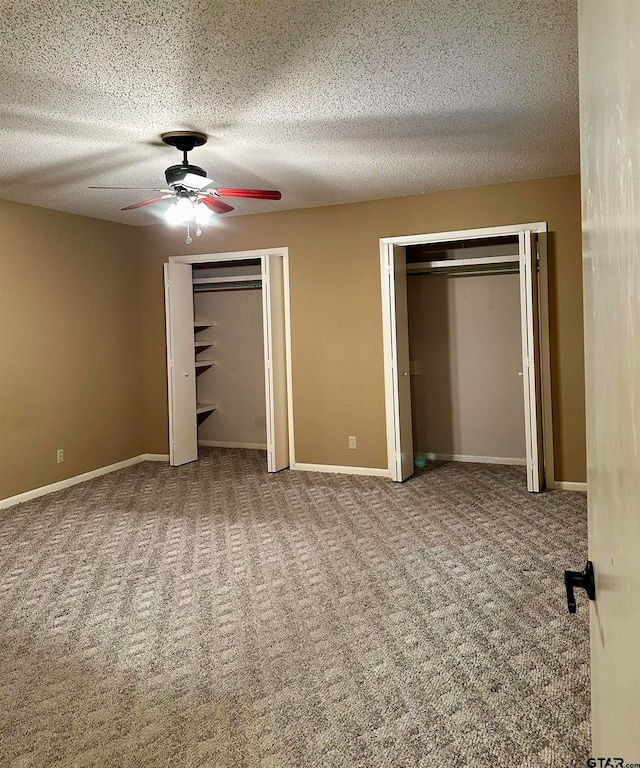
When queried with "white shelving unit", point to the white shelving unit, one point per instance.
{"points": [[205, 407], [200, 345]]}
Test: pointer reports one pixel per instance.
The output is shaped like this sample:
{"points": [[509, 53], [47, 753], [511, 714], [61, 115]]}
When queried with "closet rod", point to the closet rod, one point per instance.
{"points": [[476, 261], [226, 279], [467, 272], [239, 286]]}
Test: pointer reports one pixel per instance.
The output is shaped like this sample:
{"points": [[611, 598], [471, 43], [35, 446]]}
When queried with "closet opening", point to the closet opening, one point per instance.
{"points": [[227, 354], [467, 350]]}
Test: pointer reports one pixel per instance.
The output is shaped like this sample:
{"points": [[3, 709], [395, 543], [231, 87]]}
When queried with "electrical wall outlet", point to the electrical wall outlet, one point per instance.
{"points": [[352, 442], [60, 455]]}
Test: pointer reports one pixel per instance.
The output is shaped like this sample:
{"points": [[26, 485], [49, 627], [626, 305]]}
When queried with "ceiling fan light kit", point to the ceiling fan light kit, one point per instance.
{"points": [[195, 197]]}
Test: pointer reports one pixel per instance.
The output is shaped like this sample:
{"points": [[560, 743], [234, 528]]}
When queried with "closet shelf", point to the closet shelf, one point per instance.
{"points": [[204, 342], [204, 363], [227, 279], [205, 407], [202, 324], [484, 261]]}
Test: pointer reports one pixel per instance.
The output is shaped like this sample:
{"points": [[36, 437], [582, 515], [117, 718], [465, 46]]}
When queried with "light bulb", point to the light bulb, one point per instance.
{"points": [[203, 213], [172, 215], [184, 209]]}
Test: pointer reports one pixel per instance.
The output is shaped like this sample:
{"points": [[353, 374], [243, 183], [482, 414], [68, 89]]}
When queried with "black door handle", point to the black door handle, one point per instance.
{"points": [[583, 579]]}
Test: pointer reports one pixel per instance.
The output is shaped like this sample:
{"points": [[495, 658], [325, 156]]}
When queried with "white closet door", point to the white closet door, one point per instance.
{"points": [[531, 360], [401, 449], [610, 178], [181, 368], [275, 358]]}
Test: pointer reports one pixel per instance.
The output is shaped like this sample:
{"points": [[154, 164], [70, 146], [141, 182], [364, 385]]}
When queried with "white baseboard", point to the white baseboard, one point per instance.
{"points": [[374, 471], [223, 444], [472, 459], [569, 485], [62, 484]]}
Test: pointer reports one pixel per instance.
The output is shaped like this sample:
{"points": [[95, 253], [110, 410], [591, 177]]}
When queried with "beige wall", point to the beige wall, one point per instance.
{"points": [[336, 320], [466, 352], [82, 339], [70, 372]]}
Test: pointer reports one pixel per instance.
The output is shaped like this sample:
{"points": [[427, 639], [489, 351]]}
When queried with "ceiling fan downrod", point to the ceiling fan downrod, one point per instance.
{"points": [[183, 141]]}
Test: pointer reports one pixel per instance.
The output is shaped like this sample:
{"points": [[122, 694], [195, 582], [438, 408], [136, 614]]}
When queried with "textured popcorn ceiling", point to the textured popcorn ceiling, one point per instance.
{"points": [[330, 102]]}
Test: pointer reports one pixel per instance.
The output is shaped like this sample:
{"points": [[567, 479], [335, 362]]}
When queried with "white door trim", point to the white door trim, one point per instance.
{"points": [[261, 253], [466, 234], [200, 258], [386, 263]]}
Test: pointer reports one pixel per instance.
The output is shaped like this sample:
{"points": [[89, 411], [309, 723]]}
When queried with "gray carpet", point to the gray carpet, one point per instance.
{"points": [[213, 615]]}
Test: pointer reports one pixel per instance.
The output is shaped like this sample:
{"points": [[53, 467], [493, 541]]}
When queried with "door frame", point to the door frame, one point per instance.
{"points": [[261, 253], [389, 323]]}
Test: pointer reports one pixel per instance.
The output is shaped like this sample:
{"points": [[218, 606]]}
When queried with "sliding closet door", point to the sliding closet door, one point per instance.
{"points": [[531, 360], [275, 357], [181, 368], [399, 433]]}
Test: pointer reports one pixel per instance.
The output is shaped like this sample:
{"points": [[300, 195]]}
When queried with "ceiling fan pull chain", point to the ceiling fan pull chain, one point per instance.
{"points": [[189, 239]]}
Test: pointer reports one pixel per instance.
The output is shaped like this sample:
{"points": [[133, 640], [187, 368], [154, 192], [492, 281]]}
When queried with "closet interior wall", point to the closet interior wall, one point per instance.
{"points": [[466, 355], [230, 372]]}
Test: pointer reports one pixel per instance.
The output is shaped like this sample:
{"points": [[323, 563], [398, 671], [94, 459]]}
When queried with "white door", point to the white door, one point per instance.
{"points": [[181, 367], [275, 358], [531, 360], [610, 173], [396, 322]]}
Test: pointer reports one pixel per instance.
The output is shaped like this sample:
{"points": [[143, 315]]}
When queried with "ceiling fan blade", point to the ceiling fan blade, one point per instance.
{"points": [[140, 189], [217, 206], [193, 181], [145, 202], [256, 194]]}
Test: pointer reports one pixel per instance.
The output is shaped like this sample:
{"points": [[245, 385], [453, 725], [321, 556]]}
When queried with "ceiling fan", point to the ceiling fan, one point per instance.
{"points": [[195, 199]]}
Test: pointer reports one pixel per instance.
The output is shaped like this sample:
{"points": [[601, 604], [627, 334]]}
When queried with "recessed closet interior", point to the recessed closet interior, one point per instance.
{"points": [[465, 348], [229, 354], [228, 370]]}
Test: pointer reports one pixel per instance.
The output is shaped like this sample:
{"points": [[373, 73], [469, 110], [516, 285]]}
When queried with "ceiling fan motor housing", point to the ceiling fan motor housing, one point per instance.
{"points": [[184, 141], [176, 173]]}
